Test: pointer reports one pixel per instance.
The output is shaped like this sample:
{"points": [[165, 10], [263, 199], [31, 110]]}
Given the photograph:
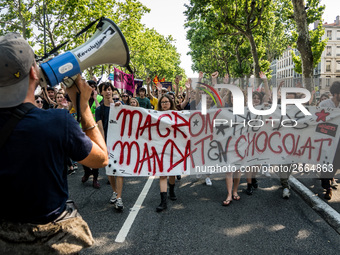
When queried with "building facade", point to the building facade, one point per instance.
{"points": [[327, 71]]}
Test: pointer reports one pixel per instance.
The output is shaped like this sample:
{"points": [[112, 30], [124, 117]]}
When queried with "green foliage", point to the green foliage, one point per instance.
{"points": [[150, 52], [238, 32], [314, 14], [16, 16]]}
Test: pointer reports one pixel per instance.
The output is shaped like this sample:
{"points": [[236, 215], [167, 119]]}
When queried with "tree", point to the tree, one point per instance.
{"points": [[308, 43], [237, 17], [153, 54], [16, 16], [64, 19]]}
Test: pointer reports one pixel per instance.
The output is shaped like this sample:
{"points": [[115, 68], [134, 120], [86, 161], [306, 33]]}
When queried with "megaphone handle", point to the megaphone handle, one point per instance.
{"points": [[78, 107]]}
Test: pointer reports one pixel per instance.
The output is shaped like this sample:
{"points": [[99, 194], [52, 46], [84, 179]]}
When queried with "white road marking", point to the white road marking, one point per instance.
{"points": [[134, 211]]}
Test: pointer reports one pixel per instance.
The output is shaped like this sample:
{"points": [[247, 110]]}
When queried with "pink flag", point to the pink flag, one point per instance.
{"points": [[123, 80]]}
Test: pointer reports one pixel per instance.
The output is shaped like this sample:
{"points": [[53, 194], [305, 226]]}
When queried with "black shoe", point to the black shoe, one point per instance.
{"points": [[254, 183], [162, 206], [96, 184], [179, 177], [249, 189], [172, 194], [84, 178], [328, 194]]}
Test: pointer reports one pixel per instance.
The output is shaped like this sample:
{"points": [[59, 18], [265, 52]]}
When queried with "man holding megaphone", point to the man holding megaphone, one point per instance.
{"points": [[34, 146]]}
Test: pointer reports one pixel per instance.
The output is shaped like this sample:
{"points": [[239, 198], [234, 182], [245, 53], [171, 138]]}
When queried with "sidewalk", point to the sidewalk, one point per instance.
{"points": [[308, 186]]}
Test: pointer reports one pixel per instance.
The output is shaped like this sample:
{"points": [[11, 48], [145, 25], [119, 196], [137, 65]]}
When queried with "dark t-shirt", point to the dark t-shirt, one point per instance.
{"points": [[102, 113], [33, 171], [144, 102]]}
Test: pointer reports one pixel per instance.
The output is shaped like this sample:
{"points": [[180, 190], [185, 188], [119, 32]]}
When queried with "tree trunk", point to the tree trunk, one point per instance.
{"points": [[256, 64], [303, 43]]}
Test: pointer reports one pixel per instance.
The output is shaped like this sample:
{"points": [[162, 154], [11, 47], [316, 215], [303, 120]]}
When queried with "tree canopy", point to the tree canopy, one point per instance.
{"points": [[229, 35], [150, 52]]}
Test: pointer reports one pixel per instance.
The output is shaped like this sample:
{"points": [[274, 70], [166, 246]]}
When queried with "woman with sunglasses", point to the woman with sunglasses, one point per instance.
{"points": [[165, 103], [39, 101], [126, 98], [116, 97]]}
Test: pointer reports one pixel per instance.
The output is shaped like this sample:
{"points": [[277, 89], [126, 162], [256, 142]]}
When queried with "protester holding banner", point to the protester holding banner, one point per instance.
{"points": [[102, 118], [126, 98], [258, 99], [165, 104], [322, 98], [327, 177]]}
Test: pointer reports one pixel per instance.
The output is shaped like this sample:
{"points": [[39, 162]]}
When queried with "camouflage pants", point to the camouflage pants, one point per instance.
{"points": [[66, 235]]}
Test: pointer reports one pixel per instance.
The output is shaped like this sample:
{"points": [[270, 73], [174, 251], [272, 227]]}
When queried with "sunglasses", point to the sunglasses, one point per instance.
{"points": [[124, 95], [116, 99], [39, 101]]}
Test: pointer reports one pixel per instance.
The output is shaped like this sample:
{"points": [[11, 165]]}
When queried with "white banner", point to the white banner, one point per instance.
{"points": [[146, 142]]}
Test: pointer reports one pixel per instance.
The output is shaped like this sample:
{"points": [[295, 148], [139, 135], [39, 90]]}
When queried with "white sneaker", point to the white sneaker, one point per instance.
{"points": [[208, 181], [119, 204], [113, 198], [286, 193]]}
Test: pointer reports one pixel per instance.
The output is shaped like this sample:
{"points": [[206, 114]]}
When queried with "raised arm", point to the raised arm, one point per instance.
{"points": [[186, 99], [214, 78], [148, 81], [267, 95]]}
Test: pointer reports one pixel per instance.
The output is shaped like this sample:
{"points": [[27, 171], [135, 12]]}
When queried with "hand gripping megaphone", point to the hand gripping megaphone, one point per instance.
{"points": [[107, 46]]}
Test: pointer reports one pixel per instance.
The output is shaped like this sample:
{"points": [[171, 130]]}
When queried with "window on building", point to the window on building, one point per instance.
{"points": [[338, 34], [338, 66], [329, 34], [328, 66], [338, 50], [328, 80], [329, 51]]}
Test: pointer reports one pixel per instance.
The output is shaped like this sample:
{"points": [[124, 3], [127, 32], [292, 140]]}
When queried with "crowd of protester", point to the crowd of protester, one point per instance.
{"points": [[47, 206], [154, 96]]}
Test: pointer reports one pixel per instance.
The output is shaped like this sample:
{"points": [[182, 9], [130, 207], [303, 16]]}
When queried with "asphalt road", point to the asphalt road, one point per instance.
{"points": [[196, 223]]}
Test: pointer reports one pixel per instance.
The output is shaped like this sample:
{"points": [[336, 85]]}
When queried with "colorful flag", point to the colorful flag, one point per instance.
{"points": [[162, 80], [155, 80], [123, 80]]}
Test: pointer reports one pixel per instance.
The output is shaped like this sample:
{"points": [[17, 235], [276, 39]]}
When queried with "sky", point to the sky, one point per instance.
{"points": [[167, 17]]}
